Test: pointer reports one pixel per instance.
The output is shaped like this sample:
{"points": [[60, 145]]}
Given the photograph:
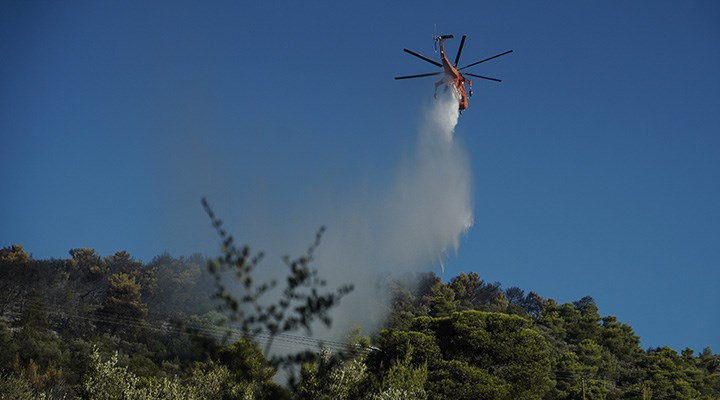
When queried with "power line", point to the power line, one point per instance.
{"points": [[284, 340]]}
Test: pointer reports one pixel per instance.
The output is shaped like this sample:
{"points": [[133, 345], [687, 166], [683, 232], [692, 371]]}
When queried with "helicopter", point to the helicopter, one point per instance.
{"points": [[452, 78]]}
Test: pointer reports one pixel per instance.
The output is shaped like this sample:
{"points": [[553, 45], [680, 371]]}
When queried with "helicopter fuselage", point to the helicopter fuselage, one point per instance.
{"points": [[453, 79]]}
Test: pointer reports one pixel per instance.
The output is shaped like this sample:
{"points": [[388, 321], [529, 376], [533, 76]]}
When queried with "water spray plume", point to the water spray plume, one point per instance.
{"points": [[410, 226]]}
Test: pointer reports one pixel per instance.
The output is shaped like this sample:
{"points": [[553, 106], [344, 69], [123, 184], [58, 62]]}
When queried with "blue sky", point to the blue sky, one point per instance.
{"points": [[595, 162]]}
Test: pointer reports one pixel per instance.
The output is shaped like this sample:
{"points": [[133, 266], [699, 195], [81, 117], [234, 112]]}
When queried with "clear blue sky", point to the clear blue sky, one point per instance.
{"points": [[595, 164]]}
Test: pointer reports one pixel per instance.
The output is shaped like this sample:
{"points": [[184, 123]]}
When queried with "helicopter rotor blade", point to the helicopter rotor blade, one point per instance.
{"points": [[422, 57], [487, 59], [417, 76], [457, 57], [483, 77]]}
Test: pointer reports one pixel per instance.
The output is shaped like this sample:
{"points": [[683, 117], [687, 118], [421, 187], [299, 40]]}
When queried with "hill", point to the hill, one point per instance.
{"points": [[91, 327]]}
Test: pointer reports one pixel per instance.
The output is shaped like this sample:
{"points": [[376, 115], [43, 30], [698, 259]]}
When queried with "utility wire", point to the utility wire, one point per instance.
{"points": [[287, 341]]}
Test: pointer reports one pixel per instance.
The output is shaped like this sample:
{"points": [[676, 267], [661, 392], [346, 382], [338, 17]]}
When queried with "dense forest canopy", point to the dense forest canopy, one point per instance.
{"points": [[110, 327]]}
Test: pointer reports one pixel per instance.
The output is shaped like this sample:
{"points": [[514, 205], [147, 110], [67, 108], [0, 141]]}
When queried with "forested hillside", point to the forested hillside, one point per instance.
{"points": [[109, 327]]}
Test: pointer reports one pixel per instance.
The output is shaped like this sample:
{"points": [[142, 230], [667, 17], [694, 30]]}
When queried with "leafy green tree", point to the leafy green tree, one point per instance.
{"points": [[580, 320], [16, 387], [623, 353], [87, 264], [709, 365], [331, 378], [533, 304], [475, 354], [620, 340], [568, 374], [402, 307], [248, 368], [456, 379], [440, 301], [18, 276], [88, 273], [123, 311], [472, 293], [403, 381], [668, 376], [108, 380], [43, 381], [35, 340], [465, 288], [599, 369], [584, 323], [13, 254], [421, 347], [121, 261], [515, 298]]}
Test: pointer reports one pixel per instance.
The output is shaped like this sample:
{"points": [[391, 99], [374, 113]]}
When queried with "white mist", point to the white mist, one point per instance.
{"points": [[409, 226]]}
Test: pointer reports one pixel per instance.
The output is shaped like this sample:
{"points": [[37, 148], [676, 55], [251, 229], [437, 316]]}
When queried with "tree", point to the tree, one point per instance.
{"points": [[440, 301], [88, 273], [472, 293], [516, 300], [666, 377], [473, 354], [108, 380], [466, 288], [17, 276], [35, 340], [13, 254], [403, 381], [581, 320], [16, 387], [177, 287], [620, 340], [402, 306], [123, 312], [331, 378], [533, 304], [420, 347], [568, 374], [248, 368], [87, 264], [455, 379]]}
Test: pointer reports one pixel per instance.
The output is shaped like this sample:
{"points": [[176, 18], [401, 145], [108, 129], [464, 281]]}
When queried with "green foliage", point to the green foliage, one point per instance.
{"points": [[17, 388], [403, 307], [441, 300], [668, 375], [475, 354], [13, 254], [475, 294], [87, 264], [462, 339], [246, 361], [398, 345], [338, 377], [108, 381], [330, 378], [456, 379], [123, 311], [403, 381], [35, 341]]}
